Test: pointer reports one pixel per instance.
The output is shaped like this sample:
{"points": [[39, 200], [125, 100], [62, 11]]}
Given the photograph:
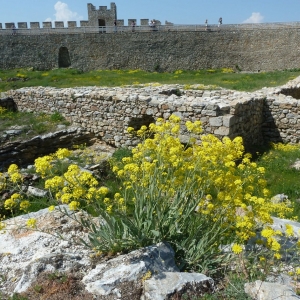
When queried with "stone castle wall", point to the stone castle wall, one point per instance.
{"points": [[263, 116], [249, 50]]}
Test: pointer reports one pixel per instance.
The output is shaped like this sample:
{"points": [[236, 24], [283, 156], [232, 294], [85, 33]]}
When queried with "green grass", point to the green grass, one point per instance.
{"points": [[31, 124], [232, 288], [281, 177], [62, 78]]}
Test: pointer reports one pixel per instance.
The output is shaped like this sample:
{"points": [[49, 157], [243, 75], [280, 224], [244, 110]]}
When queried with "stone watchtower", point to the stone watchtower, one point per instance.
{"points": [[102, 16]]}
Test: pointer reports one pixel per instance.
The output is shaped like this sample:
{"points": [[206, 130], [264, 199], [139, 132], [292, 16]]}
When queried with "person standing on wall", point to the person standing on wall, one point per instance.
{"points": [[14, 30], [133, 26], [220, 22], [153, 25], [115, 26]]}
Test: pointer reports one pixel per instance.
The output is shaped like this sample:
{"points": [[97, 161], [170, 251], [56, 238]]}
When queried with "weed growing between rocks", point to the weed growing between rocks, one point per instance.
{"points": [[207, 199], [57, 286]]}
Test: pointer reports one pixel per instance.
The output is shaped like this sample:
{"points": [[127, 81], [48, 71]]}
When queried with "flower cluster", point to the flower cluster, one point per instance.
{"points": [[2, 110], [43, 165], [14, 174], [74, 186], [231, 184]]}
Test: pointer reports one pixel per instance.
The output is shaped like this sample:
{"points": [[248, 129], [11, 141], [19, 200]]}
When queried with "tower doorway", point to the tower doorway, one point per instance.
{"points": [[101, 24]]}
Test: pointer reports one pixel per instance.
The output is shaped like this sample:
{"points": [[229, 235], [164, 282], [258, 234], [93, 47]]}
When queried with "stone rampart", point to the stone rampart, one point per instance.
{"points": [[249, 50], [270, 114]]}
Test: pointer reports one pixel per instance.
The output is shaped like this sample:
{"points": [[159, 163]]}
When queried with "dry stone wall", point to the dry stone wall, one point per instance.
{"points": [[262, 116], [107, 112], [249, 50]]}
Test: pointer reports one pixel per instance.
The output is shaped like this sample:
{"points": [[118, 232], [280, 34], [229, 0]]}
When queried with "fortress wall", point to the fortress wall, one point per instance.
{"points": [[257, 50], [107, 112]]}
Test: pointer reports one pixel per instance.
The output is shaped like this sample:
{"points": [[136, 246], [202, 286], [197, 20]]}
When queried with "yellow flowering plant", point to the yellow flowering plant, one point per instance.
{"points": [[15, 201], [208, 179], [65, 182], [239, 189], [70, 185]]}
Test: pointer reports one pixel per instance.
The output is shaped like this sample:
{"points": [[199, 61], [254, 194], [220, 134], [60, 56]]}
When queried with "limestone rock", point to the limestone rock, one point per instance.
{"points": [[24, 253], [279, 198], [166, 284], [111, 278], [261, 290], [296, 165], [36, 192]]}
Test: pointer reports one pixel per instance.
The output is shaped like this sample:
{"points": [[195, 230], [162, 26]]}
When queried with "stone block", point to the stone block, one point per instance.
{"points": [[209, 113], [34, 25], [166, 284], [217, 121], [181, 108], [72, 24], [22, 25], [9, 25], [47, 24], [286, 105], [84, 23], [130, 22], [223, 131], [144, 22], [269, 290], [229, 120], [59, 24]]}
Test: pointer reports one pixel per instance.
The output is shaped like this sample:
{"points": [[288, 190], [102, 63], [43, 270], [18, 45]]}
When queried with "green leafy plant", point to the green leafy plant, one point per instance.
{"points": [[38, 288], [57, 117]]}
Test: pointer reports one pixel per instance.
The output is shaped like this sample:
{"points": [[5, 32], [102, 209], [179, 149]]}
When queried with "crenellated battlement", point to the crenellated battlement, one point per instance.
{"points": [[105, 18], [101, 17]]}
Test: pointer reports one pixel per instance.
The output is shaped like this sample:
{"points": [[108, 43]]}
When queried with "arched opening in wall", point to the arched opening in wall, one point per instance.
{"points": [[101, 24], [64, 60], [137, 123]]}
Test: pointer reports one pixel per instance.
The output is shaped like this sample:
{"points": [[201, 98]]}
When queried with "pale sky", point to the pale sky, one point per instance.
{"points": [[177, 12]]}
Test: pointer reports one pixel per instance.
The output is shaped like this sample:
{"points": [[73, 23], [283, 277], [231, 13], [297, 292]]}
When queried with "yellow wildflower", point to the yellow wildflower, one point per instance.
{"points": [[51, 208], [289, 230], [74, 205], [24, 205], [236, 248], [31, 223]]}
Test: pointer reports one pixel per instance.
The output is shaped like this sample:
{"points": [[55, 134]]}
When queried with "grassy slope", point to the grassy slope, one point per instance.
{"points": [[13, 79]]}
